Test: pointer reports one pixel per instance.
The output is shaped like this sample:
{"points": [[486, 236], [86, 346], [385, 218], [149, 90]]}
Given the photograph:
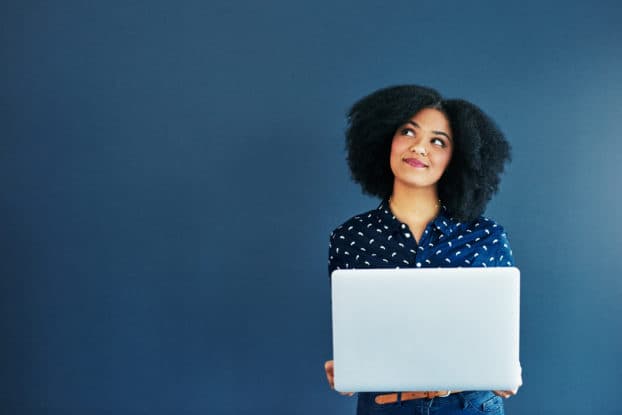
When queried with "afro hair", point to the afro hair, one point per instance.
{"points": [[478, 159]]}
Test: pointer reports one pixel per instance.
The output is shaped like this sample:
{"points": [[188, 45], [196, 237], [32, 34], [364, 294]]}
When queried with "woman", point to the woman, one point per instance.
{"points": [[435, 163]]}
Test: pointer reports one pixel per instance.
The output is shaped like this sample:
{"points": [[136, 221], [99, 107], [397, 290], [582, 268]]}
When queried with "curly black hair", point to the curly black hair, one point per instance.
{"points": [[478, 159]]}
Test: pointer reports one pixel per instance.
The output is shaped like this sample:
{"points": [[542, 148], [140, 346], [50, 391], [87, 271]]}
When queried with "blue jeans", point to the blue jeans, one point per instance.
{"points": [[460, 403]]}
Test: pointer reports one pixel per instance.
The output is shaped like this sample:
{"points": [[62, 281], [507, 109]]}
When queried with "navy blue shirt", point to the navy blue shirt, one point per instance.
{"points": [[377, 239]]}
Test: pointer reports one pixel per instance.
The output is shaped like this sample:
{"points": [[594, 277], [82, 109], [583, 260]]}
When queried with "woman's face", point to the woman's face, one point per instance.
{"points": [[421, 149]]}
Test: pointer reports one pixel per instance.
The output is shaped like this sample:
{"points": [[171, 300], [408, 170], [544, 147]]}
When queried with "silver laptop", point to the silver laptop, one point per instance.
{"points": [[426, 329]]}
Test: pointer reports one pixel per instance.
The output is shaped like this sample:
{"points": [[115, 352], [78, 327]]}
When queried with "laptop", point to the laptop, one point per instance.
{"points": [[426, 329]]}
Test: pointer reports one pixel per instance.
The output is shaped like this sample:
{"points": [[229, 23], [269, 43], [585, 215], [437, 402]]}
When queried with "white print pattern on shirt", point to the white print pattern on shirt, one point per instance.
{"points": [[393, 245]]}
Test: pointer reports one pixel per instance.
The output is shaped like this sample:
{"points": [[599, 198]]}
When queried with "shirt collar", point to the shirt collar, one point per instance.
{"points": [[442, 221]]}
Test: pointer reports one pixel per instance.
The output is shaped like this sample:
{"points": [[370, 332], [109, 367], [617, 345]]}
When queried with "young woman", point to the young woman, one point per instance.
{"points": [[435, 163]]}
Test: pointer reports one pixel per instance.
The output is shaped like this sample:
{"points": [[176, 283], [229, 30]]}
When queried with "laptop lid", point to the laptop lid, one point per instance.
{"points": [[426, 329]]}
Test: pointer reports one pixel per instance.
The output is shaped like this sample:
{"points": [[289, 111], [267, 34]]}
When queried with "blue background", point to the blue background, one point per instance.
{"points": [[170, 173]]}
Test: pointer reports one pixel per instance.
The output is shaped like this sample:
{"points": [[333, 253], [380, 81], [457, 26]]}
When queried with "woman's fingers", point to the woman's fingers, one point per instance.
{"points": [[329, 366], [506, 394], [330, 373]]}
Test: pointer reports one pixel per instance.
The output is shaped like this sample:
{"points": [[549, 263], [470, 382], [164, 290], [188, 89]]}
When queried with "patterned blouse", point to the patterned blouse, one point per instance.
{"points": [[377, 239]]}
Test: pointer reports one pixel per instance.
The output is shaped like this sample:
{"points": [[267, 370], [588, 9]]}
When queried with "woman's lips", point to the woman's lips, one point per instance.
{"points": [[415, 163]]}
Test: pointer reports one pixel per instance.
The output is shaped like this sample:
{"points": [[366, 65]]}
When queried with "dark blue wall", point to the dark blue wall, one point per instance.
{"points": [[170, 172]]}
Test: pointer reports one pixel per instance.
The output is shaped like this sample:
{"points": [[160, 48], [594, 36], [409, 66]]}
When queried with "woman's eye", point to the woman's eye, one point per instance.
{"points": [[438, 142], [408, 131]]}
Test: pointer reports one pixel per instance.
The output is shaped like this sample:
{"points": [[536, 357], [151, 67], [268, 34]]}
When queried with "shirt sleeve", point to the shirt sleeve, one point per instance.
{"points": [[503, 255], [334, 255]]}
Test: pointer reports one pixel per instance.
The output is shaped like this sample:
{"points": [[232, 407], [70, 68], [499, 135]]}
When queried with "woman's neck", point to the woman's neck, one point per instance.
{"points": [[414, 205]]}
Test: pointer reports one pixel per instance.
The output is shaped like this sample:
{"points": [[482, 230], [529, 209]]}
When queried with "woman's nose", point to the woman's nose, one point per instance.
{"points": [[419, 148]]}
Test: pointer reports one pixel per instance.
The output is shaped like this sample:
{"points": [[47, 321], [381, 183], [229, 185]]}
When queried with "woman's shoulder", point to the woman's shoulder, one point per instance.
{"points": [[482, 230], [482, 223], [484, 235], [360, 223]]}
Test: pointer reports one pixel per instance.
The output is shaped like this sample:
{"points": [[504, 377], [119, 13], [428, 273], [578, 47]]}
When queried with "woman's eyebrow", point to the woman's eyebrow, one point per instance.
{"points": [[435, 132]]}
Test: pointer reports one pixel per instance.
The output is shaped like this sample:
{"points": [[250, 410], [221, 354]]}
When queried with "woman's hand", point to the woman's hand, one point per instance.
{"points": [[506, 394], [329, 367]]}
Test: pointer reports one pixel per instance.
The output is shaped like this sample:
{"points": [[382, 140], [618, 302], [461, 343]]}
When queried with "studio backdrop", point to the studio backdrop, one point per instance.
{"points": [[171, 172]]}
